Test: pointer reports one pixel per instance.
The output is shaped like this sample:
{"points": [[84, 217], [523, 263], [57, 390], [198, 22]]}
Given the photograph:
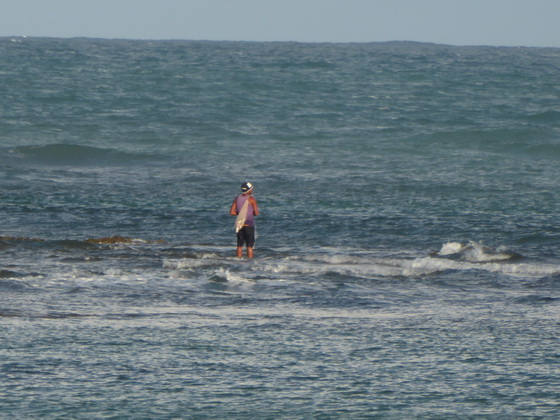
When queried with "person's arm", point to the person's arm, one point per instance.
{"points": [[233, 209], [255, 206]]}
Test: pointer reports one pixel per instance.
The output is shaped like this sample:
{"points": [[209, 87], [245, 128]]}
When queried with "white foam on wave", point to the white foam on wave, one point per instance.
{"points": [[511, 269], [451, 248], [315, 267], [235, 279], [187, 263], [231, 272], [475, 252], [362, 267], [375, 266]]}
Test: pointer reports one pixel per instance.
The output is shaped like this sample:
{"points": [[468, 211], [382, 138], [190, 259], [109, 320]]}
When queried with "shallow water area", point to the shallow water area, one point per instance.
{"points": [[184, 329]]}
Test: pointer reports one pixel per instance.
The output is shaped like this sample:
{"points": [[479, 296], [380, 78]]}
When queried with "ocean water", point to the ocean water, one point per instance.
{"points": [[407, 261]]}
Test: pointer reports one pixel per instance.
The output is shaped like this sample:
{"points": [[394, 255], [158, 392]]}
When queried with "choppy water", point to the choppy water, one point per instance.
{"points": [[407, 262]]}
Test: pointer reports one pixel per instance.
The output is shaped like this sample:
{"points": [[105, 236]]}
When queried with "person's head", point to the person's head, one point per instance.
{"points": [[246, 188]]}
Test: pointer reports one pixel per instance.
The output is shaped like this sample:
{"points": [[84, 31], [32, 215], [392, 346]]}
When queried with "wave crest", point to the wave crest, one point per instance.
{"points": [[475, 252]]}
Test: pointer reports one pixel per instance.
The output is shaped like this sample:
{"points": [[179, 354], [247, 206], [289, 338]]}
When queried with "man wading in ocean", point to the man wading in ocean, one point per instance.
{"points": [[245, 207]]}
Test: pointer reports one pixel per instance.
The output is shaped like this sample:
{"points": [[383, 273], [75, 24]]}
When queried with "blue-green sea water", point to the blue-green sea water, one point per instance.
{"points": [[407, 263]]}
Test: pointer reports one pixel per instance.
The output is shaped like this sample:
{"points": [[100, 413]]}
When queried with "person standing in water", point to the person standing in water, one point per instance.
{"points": [[245, 207]]}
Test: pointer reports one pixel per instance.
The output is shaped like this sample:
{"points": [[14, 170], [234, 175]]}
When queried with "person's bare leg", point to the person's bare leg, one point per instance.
{"points": [[239, 252], [249, 252]]}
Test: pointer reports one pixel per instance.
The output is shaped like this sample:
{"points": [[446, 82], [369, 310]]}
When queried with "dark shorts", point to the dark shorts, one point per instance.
{"points": [[246, 236]]}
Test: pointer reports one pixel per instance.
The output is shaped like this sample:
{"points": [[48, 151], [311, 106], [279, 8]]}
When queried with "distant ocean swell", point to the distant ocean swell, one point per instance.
{"points": [[75, 155]]}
